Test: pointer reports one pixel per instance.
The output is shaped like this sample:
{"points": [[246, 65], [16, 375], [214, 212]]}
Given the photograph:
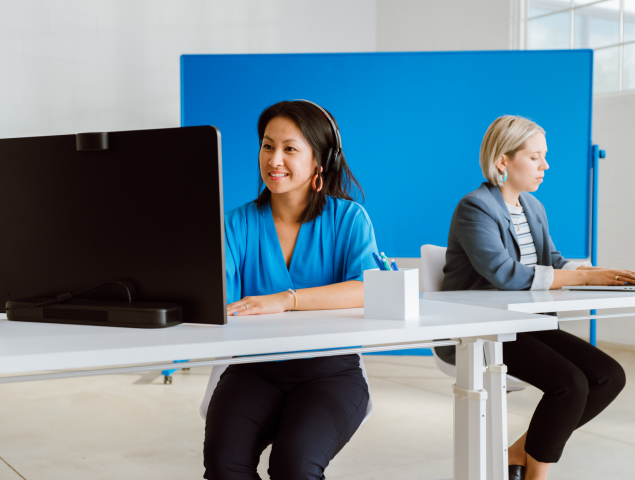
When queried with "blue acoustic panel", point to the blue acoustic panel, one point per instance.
{"points": [[411, 125]]}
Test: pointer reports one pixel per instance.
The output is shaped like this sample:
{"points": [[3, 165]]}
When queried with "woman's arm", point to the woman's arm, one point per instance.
{"points": [[592, 276], [329, 297], [584, 275]]}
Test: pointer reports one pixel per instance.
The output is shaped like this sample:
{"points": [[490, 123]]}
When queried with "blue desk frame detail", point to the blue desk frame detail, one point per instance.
{"points": [[167, 374], [595, 165]]}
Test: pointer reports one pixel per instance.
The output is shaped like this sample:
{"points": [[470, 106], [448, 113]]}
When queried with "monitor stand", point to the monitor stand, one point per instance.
{"points": [[105, 313]]}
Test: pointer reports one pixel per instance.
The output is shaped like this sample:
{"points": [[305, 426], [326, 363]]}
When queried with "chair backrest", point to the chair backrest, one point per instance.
{"points": [[432, 263]]}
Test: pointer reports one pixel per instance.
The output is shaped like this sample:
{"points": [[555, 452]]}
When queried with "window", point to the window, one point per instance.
{"points": [[606, 26]]}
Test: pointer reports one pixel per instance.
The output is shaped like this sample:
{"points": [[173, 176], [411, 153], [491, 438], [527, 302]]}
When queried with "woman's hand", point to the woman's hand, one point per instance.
{"points": [[276, 303], [592, 276], [348, 294], [608, 276]]}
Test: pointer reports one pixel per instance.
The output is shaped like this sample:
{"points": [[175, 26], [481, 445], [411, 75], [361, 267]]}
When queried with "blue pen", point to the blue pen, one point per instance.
{"points": [[394, 265], [378, 261], [384, 259]]}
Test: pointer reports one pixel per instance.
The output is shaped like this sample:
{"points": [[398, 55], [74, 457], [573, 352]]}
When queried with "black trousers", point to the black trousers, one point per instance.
{"points": [[578, 381], [309, 409]]}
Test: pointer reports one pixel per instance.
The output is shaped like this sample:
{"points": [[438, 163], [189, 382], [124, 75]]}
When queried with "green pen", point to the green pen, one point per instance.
{"points": [[385, 261]]}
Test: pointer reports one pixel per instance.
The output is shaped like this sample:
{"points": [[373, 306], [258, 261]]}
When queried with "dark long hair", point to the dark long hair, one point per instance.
{"points": [[317, 130]]}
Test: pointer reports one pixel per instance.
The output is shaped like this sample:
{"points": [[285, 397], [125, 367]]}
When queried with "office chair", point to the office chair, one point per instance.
{"points": [[432, 263]]}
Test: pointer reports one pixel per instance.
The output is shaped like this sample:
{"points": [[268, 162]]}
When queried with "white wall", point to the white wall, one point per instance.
{"points": [[407, 25], [104, 65], [69, 66], [613, 130]]}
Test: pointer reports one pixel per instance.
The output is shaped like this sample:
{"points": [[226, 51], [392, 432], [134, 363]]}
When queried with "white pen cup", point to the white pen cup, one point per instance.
{"points": [[391, 295]]}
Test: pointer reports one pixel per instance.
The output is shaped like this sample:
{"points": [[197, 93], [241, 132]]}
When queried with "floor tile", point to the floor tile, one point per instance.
{"points": [[8, 473], [437, 469], [417, 428], [104, 427], [589, 457], [134, 427]]}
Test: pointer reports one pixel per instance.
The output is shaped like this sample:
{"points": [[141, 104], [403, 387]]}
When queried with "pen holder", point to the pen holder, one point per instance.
{"points": [[391, 295]]}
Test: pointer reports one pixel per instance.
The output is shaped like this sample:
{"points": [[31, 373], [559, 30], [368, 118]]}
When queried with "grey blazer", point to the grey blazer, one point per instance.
{"points": [[483, 250]]}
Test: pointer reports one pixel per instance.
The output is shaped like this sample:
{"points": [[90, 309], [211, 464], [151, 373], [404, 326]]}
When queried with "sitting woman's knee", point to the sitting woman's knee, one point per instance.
{"points": [[226, 463], [575, 384], [294, 467], [613, 378]]}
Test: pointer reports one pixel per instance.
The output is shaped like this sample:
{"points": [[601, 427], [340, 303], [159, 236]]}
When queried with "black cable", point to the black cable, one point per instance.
{"points": [[65, 296], [101, 285]]}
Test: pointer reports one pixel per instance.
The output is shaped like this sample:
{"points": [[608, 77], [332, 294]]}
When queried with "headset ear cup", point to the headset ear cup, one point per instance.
{"points": [[328, 160], [337, 161]]}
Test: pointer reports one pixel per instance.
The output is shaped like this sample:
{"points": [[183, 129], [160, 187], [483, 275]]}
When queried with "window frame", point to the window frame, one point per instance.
{"points": [[520, 31]]}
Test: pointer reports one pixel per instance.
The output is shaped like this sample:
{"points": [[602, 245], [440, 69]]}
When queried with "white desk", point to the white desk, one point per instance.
{"points": [[539, 301], [34, 347], [534, 302]]}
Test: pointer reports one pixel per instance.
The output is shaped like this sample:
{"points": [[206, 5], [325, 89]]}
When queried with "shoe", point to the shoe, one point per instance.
{"points": [[516, 472]]}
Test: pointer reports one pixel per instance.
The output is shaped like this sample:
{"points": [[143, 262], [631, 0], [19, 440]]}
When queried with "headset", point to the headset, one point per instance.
{"points": [[334, 155]]}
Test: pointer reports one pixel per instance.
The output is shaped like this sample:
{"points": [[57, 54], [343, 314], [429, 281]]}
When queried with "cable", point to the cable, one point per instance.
{"points": [[65, 296], [101, 285]]}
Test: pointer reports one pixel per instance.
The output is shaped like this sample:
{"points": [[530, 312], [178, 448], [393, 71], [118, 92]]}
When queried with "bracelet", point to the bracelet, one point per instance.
{"points": [[295, 298]]}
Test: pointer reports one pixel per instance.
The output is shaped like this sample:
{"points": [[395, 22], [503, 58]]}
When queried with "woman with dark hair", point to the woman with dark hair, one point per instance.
{"points": [[303, 244]]}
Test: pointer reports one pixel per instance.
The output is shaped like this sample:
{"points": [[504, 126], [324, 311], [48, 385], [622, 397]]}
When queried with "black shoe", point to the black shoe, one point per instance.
{"points": [[516, 472]]}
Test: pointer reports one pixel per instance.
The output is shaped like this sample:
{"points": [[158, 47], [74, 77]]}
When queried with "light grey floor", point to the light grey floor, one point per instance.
{"points": [[134, 427]]}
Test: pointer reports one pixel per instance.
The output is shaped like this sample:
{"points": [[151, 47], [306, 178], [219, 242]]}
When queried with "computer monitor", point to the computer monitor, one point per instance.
{"points": [[143, 206]]}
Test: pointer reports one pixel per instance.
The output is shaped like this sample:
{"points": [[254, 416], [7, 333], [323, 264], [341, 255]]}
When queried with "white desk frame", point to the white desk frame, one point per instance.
{"points": [[528, 302], [26, 348]]}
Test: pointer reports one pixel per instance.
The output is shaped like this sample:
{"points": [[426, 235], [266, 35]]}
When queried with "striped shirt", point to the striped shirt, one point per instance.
{"points": [[525, 240]]}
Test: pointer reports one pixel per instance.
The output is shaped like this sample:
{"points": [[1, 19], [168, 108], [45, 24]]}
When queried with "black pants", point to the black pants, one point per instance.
{"points": [[309, 409], [577, 379]]}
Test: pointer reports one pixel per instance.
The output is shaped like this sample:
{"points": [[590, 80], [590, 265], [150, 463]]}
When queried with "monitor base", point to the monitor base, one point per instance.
{"points": [[104, 313]]}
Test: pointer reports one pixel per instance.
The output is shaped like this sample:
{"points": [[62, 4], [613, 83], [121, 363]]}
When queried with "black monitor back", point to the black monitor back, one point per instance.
{"points": [[149, 209]]}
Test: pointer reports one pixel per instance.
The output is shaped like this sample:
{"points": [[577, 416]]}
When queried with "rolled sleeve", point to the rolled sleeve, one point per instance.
{"points": [[543, 277]]}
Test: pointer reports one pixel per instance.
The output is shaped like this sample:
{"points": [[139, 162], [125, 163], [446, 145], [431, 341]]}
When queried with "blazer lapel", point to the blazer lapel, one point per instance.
{"points": [[498, 196], [536, 230]]}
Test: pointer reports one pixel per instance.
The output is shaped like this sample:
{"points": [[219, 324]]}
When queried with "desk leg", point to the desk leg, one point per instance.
{"points": [[469, 412], [496, 386]]}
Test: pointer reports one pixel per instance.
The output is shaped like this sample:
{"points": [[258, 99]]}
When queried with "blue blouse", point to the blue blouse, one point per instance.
{"points": [[335, 247]]}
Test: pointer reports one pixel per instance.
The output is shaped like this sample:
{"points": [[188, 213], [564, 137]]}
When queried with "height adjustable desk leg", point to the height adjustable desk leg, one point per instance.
{"points": [[469, 412], [495, 383]]}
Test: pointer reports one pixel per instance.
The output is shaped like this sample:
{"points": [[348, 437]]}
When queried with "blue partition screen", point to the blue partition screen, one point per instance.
{"points": [[411, 125]]}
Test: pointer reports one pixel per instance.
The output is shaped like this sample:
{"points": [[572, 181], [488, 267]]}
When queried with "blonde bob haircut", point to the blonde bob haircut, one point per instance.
{"points": [[505, 136]]}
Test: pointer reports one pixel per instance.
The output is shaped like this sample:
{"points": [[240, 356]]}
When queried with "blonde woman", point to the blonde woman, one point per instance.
{"points": [[499, 238]]}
